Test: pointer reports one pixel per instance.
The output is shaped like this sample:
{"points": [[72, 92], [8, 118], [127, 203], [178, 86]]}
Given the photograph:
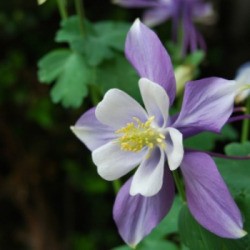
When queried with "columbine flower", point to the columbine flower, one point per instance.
{"points": [[122, 135], [182, 13], [41, 1], [243, 79]]}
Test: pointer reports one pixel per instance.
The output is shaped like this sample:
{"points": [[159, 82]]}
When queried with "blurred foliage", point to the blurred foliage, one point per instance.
{"points": [[89, 49]]}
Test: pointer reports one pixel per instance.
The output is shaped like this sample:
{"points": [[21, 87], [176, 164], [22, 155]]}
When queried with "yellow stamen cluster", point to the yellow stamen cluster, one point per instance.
{"points": [[137, 135]]}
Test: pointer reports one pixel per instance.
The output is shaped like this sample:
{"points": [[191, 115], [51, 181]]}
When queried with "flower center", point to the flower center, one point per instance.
{"points": [[137, 135]]}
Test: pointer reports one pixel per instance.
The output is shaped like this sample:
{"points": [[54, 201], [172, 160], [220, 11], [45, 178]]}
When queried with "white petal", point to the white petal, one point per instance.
{"points": [[242, 96], [112, 162], [243, 82], [148, 178], [156, 101], [174, 148], [243, 74], [117, 109], [41, 1]]}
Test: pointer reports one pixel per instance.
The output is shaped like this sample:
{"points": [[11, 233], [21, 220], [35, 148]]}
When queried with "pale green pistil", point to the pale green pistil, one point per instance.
{"points": [[137, 135]]}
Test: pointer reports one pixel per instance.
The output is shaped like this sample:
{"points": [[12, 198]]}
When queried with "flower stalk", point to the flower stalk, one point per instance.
{"points": [[94, 95], [116, 186], [179, 185], [246, 123], [62, 9], [81, 15]]}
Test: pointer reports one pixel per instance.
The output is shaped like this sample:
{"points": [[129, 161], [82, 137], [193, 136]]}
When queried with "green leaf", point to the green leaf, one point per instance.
{"points": [[194, 236], [236, 172], [157, 244], [238, 149], [203, 141], [71, 74], [191, 232], [98, 43], [228, 133], [151, 245], [70, 30], [71, 85], [112, 34], [169, 224], [118, 73], [124, 247], [207, 140], [51, 65], [93, 50], [184, 247], [236, 175], [195, 58], [243, 202]]}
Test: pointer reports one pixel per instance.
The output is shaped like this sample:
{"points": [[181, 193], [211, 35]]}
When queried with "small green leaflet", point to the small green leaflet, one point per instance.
{"points": [[70, 73], [90, 52], [99, 40], [236, 172], [208, 140], [117, 73]]}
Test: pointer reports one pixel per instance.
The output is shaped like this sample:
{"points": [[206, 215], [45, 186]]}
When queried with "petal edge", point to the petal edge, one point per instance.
{"points": [[208, 198]]}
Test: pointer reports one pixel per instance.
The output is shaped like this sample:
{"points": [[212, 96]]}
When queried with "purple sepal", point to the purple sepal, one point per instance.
{"points": [[207, 105], [191, 37], [208, 198], [91, 132], [148, 56], [157, 15], [136, 216]]}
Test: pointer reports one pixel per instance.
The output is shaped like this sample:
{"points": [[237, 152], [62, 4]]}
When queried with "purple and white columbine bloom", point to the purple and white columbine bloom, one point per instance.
{"points": [[182, 12], [123, 135], [243, 80]]}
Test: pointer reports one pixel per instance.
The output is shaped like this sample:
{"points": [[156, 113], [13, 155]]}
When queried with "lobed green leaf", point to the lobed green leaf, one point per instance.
{"points": [[71, 73]]}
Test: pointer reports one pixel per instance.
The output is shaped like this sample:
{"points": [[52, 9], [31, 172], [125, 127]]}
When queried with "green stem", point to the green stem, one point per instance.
{"points": [[246, 123], [116, 186], [81, 16], [62, 9], [180, 43], [94, 95], [179, 185]]}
